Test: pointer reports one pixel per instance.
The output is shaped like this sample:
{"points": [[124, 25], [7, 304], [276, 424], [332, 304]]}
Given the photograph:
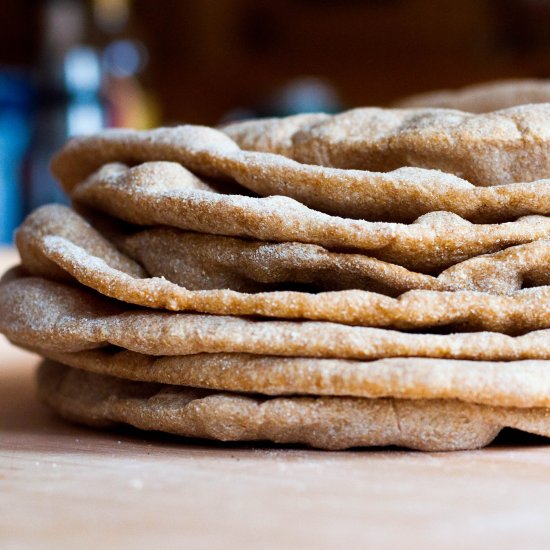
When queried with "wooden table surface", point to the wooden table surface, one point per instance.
{"points": [[65, 486]]}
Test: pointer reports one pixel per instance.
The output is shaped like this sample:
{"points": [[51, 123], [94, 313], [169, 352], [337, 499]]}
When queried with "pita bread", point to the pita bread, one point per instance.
{"points": [[324, 422], [484, 97], [208, 262], [522, 311], [397, 196], [507, 384], [40, 313], [506, 146], [166, 194], [198, 261]]}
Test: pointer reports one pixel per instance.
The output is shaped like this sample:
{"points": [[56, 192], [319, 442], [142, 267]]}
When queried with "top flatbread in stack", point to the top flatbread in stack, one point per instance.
{"points": [[377, 277], [485, 97], [401, 195], [511, 145]]}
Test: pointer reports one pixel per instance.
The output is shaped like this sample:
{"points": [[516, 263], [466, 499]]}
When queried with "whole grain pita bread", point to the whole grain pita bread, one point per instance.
{"points": [[198, 261], [483, 97], [40, 313], [273, 135], [524, 310], [62, 222], [324, 422], [166, 194], [507, 384], [399, 196], [511, 145]]}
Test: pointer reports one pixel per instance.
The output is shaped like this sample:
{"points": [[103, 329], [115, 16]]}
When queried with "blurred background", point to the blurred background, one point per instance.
{"points": [[71, 67]]}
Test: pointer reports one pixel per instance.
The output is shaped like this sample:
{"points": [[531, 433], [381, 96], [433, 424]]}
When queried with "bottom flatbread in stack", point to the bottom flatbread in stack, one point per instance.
{"points": [[324, 422]]}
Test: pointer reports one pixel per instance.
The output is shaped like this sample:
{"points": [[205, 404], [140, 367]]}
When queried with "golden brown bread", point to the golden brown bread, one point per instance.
{"points": [[166, 194], [483, 97], [508, 384], [401, 195], [40, 313], [510, 145], [324, 422]]}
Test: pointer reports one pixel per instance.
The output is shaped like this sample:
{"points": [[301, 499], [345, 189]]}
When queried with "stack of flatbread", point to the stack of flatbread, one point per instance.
{"points": [[377, 277]]}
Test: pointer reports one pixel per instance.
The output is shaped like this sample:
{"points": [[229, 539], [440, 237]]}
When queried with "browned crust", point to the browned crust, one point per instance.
{"points": [[508, 384], [401, 195], [324, 422], [483, 97], [165, 193], [40, 313]]}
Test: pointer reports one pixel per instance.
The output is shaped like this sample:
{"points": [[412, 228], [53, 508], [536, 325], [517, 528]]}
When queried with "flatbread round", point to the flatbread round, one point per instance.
{"points": [[41, 313], [324, 422], [483, 97], [508, 384], [401, 195], [510, 145], [164, 193], [93, 266]]}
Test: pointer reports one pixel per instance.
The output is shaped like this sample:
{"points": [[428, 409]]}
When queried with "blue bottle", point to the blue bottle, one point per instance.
{"points": [[15, 129]]}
